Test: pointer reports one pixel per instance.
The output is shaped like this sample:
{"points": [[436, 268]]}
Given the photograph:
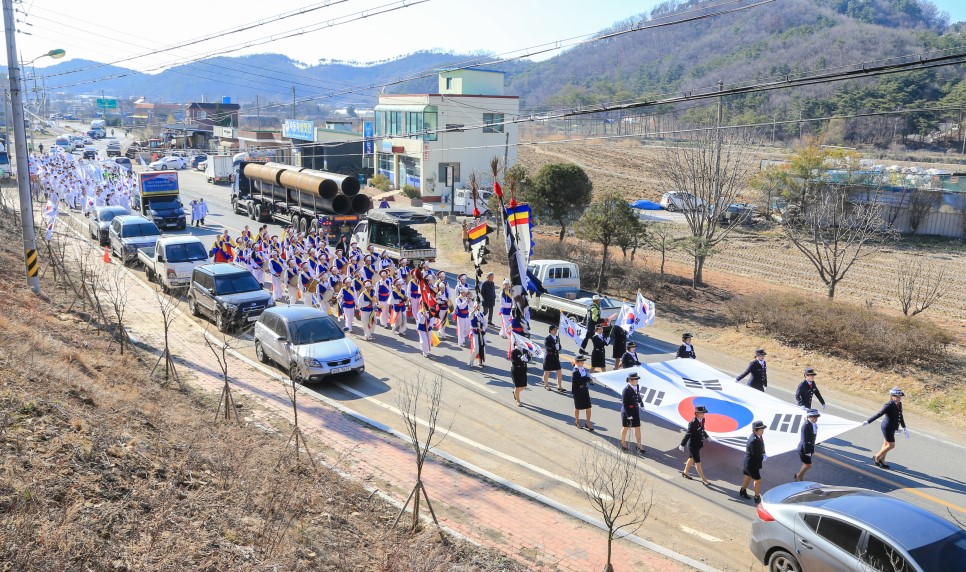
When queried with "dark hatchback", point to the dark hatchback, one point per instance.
{"points": [[228, 294]]}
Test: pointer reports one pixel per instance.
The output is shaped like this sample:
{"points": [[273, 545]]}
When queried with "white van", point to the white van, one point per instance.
{"points": [[64, 143]]}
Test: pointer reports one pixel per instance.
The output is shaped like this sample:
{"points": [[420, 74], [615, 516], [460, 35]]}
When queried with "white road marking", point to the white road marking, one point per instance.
{"points": [[700, 534]]}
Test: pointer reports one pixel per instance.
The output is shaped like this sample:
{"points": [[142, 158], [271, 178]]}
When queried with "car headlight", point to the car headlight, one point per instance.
{"points": [[271, 303], [130, 248], [357, 356], [228, 307], [311, 362]]}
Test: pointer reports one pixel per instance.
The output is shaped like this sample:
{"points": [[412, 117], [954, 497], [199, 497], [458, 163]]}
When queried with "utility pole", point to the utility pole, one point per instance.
{"points": [[293, 102], [23, 168], [258, 111]]}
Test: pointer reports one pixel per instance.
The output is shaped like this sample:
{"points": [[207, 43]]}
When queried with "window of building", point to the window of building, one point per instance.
{"points": [[380, 123], [430, 123], [201, 114], [493, 122], [386, 165], [442, 172], [449, 83], [410, 170]]}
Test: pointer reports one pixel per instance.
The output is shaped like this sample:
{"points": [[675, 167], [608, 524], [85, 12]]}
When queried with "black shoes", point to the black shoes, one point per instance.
{"points": [[757, 499], [743, 493]]}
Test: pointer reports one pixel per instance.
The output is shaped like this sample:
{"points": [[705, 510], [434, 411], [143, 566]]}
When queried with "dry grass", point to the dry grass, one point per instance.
{"points": [[105, 470]]}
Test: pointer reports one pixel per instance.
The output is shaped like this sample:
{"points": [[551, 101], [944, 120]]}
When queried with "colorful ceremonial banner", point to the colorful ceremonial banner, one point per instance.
{"points": [[526, 344], [672, 389], [572, 330], [478, 233], [49, 218], [516, 260], [520, 219]]}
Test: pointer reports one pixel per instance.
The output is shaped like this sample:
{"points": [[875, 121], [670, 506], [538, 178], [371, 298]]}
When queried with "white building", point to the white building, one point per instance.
{"points": [[462, 125]]}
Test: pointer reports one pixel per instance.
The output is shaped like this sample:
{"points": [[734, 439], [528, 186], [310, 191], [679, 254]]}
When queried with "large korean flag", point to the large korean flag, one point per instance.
{"points": [[672, 389]]}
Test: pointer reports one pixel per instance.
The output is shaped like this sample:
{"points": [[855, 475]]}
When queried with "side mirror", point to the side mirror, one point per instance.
{"points": [[281, 339]]}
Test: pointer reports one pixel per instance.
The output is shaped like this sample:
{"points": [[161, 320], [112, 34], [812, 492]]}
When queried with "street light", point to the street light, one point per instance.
{"points": [[54, 54], [20, 140]]}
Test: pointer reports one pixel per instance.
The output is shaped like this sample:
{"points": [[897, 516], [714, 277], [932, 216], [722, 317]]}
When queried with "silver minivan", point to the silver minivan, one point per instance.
{"points": [[306, 340]]}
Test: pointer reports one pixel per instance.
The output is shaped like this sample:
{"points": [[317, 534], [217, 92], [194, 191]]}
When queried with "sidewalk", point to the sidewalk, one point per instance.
{"points": [[538, 536]]}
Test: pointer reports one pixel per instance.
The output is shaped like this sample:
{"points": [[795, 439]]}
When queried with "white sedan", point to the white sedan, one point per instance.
{"points": [[166, 163]]}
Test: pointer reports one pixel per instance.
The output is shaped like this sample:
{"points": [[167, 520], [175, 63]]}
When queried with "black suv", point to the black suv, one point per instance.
{"points": [[228, 294]]}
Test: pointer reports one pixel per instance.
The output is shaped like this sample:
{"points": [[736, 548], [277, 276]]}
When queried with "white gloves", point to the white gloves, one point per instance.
{"points": [[764, 458], [681, 448], [823, 407], [906, 431], [865, 422]]}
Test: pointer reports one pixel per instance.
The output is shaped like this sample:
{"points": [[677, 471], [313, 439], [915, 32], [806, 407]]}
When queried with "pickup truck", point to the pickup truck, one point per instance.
{"points": [[393, 231], [561, 280], [171, 261]]}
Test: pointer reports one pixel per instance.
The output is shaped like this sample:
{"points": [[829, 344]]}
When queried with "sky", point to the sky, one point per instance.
{"points": [[349, 30]]}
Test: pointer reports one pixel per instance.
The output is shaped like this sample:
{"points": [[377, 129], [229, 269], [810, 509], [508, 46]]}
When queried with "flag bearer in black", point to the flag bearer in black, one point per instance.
{"points": [[631, 407], [892, 420], [806, 446], [581, 391], [629, 359], [520, 359], [552, 361], [686, 350], [807, 389], [694, 440], [597, 355], [754, 457], [759, 376]]}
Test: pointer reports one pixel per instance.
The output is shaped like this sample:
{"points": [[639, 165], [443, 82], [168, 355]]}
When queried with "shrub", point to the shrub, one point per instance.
{"points": [[844, 330], [381, 182], [410, 192]]}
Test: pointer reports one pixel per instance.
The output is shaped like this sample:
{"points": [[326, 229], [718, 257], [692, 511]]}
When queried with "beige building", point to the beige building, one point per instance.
{"points": [[463, 126]]}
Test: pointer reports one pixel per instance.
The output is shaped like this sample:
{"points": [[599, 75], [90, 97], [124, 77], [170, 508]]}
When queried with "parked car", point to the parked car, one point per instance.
{"points": [[195, 159], [128, 233], [737, 213], [681, 201], [125, 163], [307, 338], [807, 526], [169, 162], [202, 165], [228, 294], [99, 222]]}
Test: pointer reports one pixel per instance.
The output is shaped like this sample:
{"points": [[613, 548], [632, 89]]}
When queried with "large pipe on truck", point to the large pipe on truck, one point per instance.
{"points": [[361, 204], [309, 182]]}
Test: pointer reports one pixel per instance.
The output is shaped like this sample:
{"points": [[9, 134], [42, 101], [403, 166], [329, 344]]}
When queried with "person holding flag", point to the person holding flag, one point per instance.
{"points": [[631, 407], [477, 335], [367, 306], [347, 301], [506, 305], [686, 350], [551, 363], [694, 441], [422, 328], [519, 361], [754, 457], [630, 359], [397, 314], [462, 315], [618, 339], [580, 388], [597, 356]]}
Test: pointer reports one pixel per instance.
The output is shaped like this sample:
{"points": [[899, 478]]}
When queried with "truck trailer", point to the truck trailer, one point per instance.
{"points": [[304, 198]]}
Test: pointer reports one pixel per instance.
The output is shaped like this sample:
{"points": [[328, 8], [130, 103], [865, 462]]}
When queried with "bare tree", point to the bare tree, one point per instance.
{"points": [[220, 348], [296, 375], [918, 287], [921, 203], [408, 400], [168, 307], [115, 289], [615, 487], [844, 222], [713, 175], [660, 237]]}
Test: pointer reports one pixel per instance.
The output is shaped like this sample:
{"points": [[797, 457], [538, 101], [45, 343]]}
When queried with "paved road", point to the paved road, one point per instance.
{"points": [[537, 445]]}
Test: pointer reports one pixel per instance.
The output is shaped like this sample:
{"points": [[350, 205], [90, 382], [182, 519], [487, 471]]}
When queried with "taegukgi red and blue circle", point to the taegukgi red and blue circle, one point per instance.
{"points": [[722, 416]]}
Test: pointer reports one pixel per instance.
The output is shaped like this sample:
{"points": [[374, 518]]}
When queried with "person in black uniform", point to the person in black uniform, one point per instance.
{"points": [[519, 359], [807, 389], [488, 293], [890, 424], [754, 457], [581, 390], [631, 407], [686, 350], [591, 322], [618, 339], [694, 440], [597, 356], [629, 359], [759, 376], [552, 361], [806, 446]]}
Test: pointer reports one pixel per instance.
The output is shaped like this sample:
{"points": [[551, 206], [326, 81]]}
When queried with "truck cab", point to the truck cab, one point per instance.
{"points": [[172, 259], [397, 231], [158, 199]]}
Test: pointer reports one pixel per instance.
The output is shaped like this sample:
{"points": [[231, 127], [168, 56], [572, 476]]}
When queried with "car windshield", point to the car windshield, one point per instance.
{"points": [[236, 283], [132, 230], [945, 554], [314, 331], [165, 205], [107, 216], [185, 252]]}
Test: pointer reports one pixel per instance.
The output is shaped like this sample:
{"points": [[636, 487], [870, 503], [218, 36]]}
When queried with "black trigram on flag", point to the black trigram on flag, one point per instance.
{"points": [[732, 441], [712, 384], [652, 396], [786, 423]]}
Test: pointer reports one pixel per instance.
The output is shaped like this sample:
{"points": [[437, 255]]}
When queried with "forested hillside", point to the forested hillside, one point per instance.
{"points": [[785, 38]]}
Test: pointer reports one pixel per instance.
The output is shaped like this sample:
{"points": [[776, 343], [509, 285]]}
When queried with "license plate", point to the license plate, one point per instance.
{"points": [[252, 318], [340, 369]]}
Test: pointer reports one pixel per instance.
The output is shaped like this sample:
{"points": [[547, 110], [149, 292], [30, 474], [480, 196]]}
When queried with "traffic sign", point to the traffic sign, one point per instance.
{"points": [[107, 103]]}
